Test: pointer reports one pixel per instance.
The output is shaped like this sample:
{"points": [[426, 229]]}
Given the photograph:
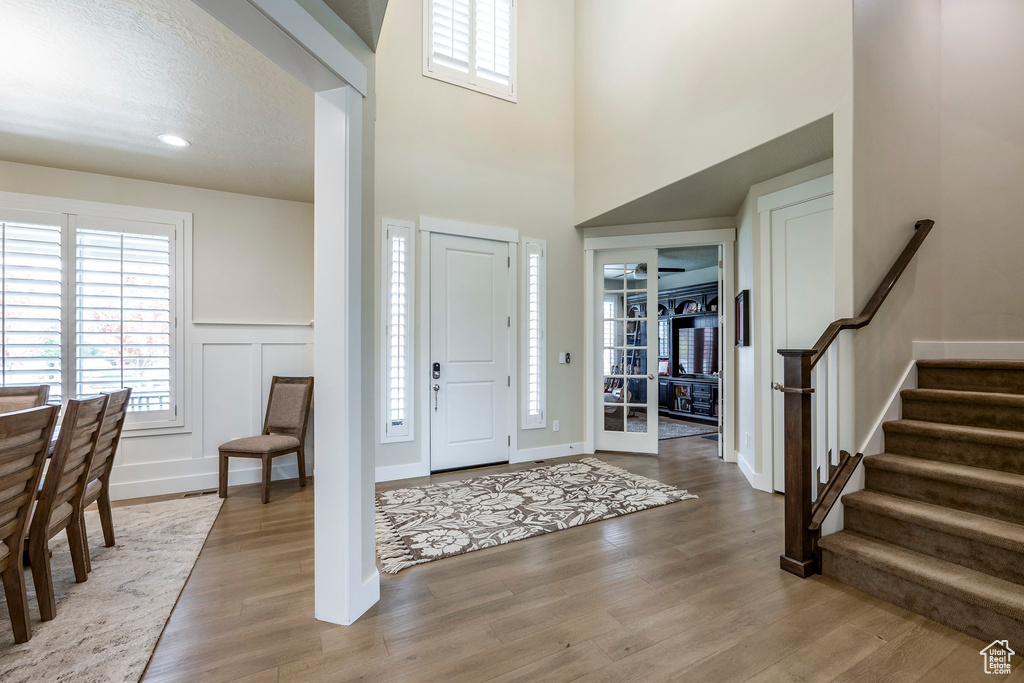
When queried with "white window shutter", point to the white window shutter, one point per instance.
{"points": [[534, 331], [494, 40], [124, 315], [31, 311], [397, 311], [450, 34]]}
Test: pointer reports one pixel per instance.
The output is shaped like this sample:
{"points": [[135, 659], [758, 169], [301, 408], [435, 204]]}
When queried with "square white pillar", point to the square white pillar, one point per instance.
{"points": [[346, 579]]}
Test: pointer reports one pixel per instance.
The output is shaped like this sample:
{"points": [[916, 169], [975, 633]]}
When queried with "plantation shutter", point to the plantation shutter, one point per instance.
{"points": [[398, 332], [124, 312], [450, 33], [30, 250], [494, 40]]}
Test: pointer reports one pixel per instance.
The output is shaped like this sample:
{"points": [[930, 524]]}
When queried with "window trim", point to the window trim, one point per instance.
{"points": [[469, 80], [529, 421], [407, 230], [181, 224]]}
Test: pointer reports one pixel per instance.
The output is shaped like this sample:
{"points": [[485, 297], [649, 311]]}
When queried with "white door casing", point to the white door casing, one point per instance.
{"points": [[625, 366], [470, 330], [803, 295]]}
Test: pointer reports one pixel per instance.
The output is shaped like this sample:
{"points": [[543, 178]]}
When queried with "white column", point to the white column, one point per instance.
{"points": [[346, 582]]}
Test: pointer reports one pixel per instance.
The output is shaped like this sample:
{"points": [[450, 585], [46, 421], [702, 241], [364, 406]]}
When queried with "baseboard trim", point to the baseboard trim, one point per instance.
{"points": [[201, 481], [396, 472], [757, 481], [547, 452]]}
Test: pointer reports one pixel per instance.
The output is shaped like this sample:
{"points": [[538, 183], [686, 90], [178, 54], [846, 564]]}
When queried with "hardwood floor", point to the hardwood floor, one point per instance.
{"points": [[690, 591]]}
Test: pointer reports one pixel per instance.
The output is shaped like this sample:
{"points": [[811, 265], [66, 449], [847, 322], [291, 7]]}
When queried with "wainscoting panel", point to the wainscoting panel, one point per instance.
{"points": [[228, 405], [230, 367]]}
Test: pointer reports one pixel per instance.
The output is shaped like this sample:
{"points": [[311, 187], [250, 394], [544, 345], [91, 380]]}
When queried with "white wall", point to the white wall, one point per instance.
{"points": [[896, 181], [448, 152], [252, 262], [666, 88], [982, 169]]}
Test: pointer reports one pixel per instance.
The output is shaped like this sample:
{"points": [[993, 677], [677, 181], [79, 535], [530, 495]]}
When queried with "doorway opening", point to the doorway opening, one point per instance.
{"points": [[690, 338], [658, 369]]}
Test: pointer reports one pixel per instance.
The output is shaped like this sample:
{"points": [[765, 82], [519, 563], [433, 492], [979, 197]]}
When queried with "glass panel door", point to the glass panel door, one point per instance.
{"points": [[627, 333]]}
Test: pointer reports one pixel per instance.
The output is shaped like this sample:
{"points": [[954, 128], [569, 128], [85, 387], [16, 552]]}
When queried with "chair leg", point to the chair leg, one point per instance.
{"points": [[17, 600], [85, 543], [77, 545], [267, 460], [300, 458], [222, 482], [39, 555], [106, 516]]}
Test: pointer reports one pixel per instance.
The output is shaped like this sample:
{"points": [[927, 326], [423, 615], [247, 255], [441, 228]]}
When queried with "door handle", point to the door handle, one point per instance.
{"points": [[650, 376]]}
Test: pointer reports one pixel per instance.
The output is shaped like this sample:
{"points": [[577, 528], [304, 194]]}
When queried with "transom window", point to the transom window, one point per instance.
{"points": [[90, 305], [471, 43]]}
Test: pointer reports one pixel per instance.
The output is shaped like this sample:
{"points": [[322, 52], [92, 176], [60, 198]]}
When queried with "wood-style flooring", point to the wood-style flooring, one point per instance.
{"points": [[690, 591]]}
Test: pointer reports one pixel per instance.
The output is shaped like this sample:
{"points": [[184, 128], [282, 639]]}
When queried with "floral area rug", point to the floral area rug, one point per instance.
{"points": [[425, 523]]}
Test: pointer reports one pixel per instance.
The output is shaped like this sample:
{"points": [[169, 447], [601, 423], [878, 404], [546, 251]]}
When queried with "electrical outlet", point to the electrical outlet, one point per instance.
{"points": [[554, 425], [746, 439]]}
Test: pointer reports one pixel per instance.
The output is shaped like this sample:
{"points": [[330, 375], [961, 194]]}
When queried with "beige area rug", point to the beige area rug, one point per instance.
{"points": [[106, 628], [425, 523]]}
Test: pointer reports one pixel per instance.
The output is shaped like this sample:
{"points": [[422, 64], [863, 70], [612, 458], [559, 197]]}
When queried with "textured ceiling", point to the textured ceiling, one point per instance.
{"points": [[721, 189], [89, 84], [365, 17]]}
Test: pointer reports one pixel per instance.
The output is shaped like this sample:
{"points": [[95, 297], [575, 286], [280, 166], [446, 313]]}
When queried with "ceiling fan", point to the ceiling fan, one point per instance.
{"points": [[641, 271]]}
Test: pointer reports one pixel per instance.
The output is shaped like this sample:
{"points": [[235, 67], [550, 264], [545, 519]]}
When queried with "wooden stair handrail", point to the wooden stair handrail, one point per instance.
{"points": [[921, 230], [804, 515]]}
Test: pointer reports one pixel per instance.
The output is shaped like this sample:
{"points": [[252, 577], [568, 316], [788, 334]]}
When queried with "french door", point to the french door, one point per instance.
{"points": [[627, 359]]}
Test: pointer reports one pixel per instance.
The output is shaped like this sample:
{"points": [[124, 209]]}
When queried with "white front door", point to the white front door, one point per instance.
{"points": [[470, 376], [803, 295], [627, 332]]}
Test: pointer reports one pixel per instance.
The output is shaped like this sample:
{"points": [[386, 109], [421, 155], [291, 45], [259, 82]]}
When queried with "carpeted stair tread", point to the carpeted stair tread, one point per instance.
{"points": [[984, 398], [995, 437], [1005, 483], [995, 532], [971, 364], [968, 585]]}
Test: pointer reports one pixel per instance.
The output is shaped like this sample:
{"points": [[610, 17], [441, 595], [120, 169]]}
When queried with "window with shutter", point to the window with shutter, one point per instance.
{"points": [[471, 43], [123, 316], [32, 350], [397, 269], [534, 331], [90, 303]]}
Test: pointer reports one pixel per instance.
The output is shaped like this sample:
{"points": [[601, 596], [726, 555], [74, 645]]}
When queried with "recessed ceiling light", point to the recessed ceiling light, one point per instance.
{"points": [[173, 140]]}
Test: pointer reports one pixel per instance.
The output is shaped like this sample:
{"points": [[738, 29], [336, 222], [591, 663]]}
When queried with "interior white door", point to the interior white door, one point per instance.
{"points": [[470, 329], [803, 295], [627, 332]]}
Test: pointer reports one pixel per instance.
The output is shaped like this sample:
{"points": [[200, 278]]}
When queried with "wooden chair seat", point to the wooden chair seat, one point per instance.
{"points": [[284, 432], [258, 445], [58, 518]]}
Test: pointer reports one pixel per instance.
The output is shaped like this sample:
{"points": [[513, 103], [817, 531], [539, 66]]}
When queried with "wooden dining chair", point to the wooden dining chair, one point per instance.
{"points": [[60, 500], [284, 432], [97, 490], [13, 399], [24, 442]]}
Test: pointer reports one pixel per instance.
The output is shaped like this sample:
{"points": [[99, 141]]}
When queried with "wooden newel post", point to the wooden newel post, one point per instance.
{"points": [[800, 557]]}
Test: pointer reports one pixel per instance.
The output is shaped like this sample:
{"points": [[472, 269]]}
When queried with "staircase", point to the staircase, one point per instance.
{"points": [[939, 526]]}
